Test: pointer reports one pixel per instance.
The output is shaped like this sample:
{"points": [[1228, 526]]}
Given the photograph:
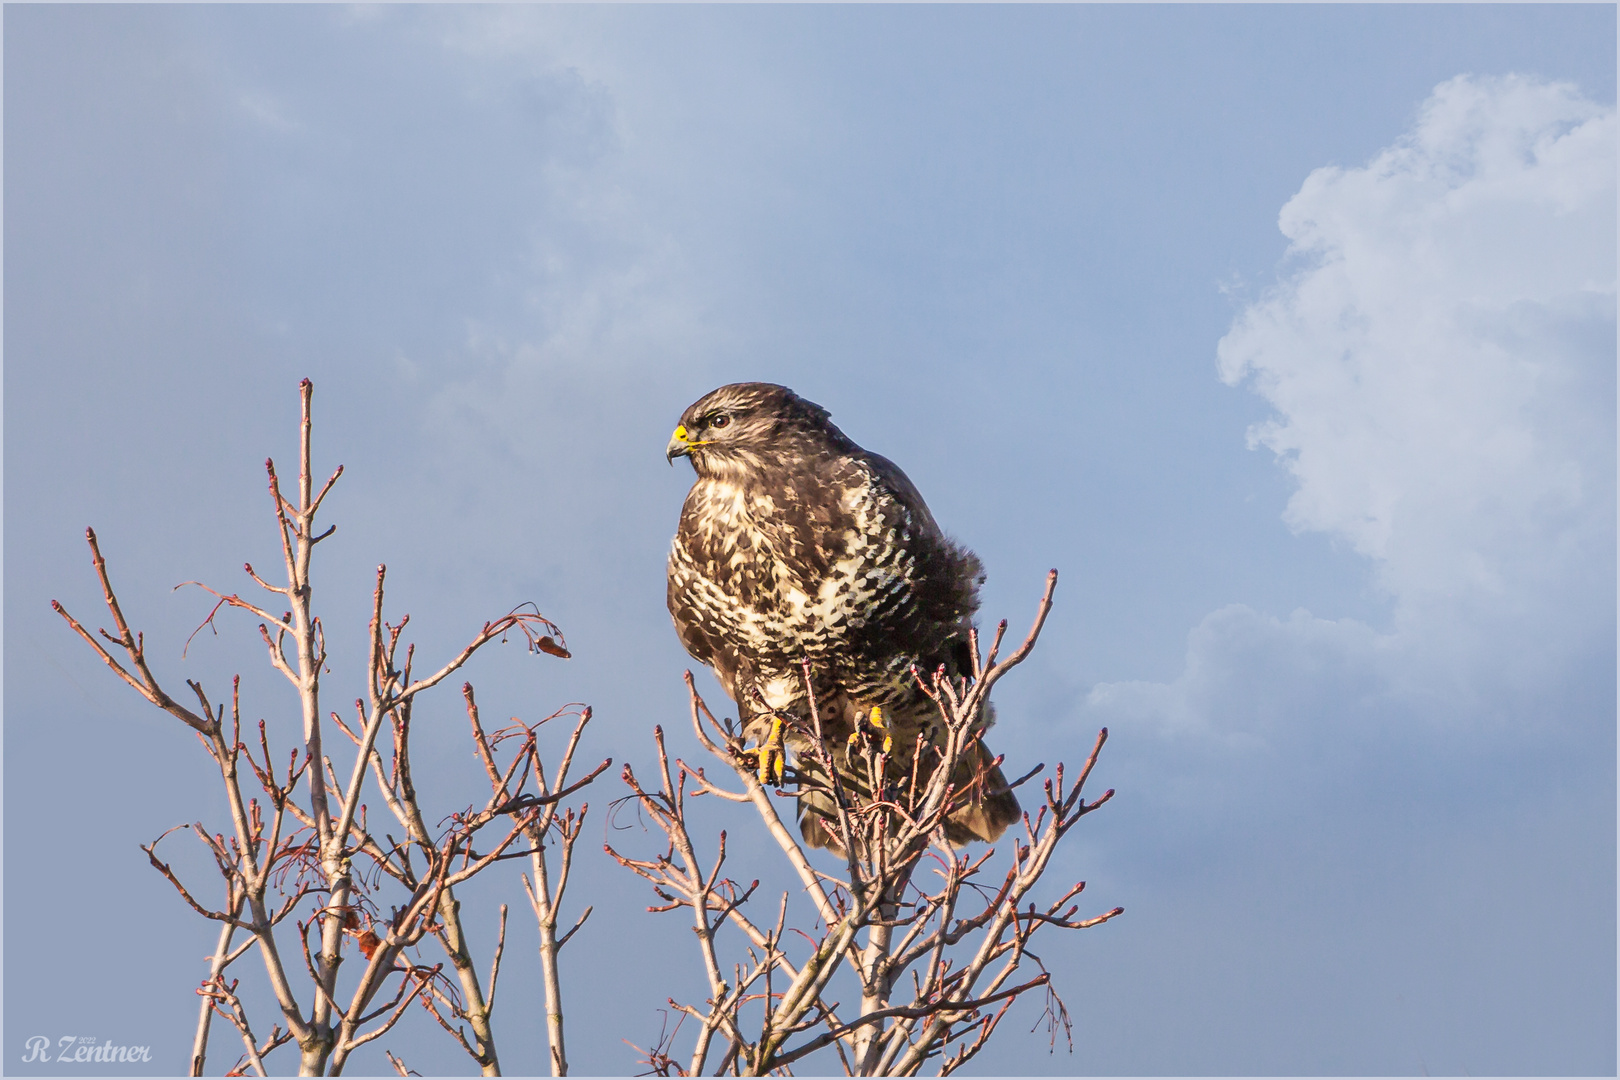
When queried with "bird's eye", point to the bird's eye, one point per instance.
{"points": [[719, 421]]}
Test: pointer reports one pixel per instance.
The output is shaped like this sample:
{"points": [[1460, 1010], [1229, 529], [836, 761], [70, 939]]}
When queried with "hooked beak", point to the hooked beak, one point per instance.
{"points": [[679, 445]]}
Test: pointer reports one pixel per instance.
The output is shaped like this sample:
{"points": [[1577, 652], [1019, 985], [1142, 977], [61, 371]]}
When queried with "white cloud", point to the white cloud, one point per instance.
{"points": [[1441, 359], [1252, 676], [1424, 362]]}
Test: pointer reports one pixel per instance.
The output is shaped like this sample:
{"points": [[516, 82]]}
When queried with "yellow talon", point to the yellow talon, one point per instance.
{"points": [[888, 743], [771, 758], [877, 717]]}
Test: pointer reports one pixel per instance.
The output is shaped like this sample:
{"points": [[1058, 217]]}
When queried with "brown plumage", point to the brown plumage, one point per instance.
{"points": [[795, 543]]}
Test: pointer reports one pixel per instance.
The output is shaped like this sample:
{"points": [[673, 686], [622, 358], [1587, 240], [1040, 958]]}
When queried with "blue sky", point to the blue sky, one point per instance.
{"points": [[1286, 333]]}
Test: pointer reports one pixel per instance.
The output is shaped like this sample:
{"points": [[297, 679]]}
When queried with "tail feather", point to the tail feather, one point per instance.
{"points": [[993, 806], [987, 814], [814, 808]]}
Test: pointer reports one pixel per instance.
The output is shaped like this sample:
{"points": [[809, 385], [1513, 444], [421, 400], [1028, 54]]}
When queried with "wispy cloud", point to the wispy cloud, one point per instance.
{"points": [[266, 109]]}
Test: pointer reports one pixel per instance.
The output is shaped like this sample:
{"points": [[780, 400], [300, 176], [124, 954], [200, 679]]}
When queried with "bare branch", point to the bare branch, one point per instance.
{"points": [[399, 1065]]}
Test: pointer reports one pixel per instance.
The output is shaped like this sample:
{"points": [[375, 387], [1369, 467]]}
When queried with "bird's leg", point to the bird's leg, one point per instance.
{"points": [[878, 726], [877, 722], [772, 754]]}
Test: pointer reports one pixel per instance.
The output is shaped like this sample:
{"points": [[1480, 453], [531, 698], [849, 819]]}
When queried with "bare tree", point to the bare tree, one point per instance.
{"points": [[960, 933], [932, 940], [316, 860]]}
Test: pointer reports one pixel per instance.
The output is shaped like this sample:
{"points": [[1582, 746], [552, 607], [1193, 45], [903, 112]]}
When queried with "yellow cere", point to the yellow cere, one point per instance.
{"points": [[680, 432]]}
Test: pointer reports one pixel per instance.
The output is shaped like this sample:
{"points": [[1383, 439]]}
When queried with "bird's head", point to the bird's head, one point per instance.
{"points": [[738, 428]]}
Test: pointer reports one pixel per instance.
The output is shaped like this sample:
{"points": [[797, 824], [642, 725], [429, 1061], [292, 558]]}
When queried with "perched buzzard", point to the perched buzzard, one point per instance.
{"points": [[795, 543]]}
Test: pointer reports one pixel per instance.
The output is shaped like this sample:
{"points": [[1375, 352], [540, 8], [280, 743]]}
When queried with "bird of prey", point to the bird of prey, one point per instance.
{"points": [[794, 543]]}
